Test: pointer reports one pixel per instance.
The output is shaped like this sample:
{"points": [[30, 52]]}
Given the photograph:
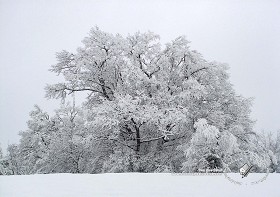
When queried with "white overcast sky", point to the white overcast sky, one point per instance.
{"points": [[245, 34]]}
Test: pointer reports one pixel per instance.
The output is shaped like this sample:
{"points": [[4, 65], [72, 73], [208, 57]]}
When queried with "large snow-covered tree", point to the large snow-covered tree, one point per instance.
{"points": [[149, 108], [142, 95]]}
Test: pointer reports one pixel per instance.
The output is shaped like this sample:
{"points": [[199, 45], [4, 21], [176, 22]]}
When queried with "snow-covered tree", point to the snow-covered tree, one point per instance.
{"points": [[2, 171], [149, 108], [35, 141], [210, 148], [271, 143], [13, 160], [141, 94], [1, 153], [66, 149]]}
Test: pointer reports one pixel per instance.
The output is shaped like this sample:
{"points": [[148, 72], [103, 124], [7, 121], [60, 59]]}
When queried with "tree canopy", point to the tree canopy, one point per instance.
{"points": [[149, 108]]}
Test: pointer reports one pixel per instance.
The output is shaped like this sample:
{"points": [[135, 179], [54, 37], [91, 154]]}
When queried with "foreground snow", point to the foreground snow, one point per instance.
{"points": [[134, 184]]}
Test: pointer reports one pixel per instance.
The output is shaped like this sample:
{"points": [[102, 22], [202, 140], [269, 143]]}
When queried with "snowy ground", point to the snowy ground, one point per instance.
{"points": [[132, 185]]}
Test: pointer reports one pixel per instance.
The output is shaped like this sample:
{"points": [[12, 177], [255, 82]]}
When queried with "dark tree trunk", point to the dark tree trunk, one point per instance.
{"points": [[138, 142]]}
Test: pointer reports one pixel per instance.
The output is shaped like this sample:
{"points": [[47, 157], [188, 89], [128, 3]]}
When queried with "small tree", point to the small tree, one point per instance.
{"points": [[271, 143]]}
